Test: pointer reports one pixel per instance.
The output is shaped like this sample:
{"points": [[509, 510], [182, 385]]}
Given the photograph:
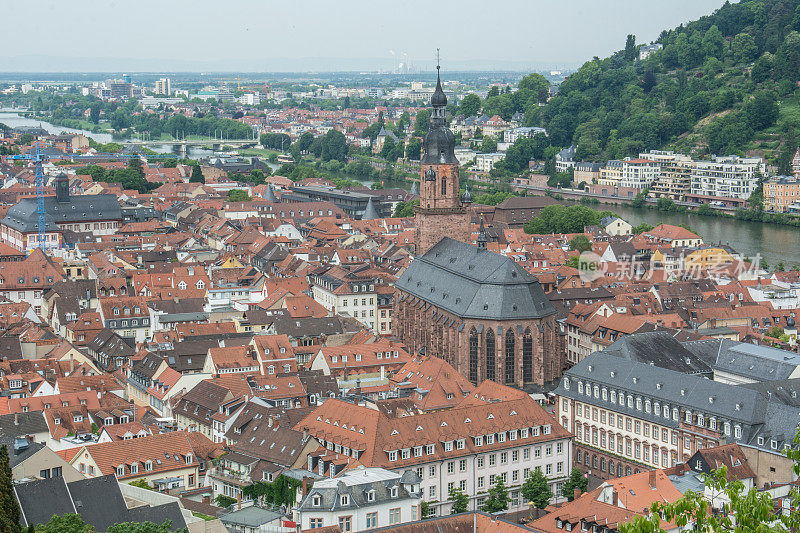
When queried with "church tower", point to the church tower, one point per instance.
{"points": [[441, 211]]}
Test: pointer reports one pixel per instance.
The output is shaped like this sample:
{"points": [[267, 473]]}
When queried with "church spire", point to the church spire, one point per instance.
{"points": [[482, 236], [438, 99]]}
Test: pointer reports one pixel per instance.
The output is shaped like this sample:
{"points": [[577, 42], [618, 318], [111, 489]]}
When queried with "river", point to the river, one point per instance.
{"points": [[774, 242], [14, 120]]}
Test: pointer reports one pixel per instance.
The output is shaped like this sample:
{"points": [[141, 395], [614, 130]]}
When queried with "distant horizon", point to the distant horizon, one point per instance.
{"points": [[267, 37]]}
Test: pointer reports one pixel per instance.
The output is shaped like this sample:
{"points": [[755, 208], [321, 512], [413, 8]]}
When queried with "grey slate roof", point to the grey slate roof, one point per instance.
{"points": [[760, 363], [747, 407], [661, 349], [15, 456], [370, 213], [98, 500], [41, 499], [331, 501], [250, 517], [473, 283], [89, 208], [26, 424]]}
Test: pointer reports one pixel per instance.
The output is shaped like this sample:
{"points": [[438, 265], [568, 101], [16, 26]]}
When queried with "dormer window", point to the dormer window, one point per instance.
{"points": [[371, 496], [316, 500], [121, 470], [344, 499], [393, 492]]}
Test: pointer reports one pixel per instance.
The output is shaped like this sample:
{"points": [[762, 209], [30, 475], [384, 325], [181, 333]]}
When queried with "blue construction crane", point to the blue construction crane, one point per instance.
{"points": [[38, 157]]}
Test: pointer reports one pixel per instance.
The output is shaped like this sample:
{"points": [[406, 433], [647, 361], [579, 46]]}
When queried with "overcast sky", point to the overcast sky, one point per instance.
{"points": [[265, 35]]}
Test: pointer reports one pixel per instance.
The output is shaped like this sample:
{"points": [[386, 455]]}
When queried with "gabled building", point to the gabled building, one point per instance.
{"points": [[494, 433]]}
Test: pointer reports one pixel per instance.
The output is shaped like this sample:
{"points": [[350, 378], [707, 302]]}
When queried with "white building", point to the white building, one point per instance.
{"points": [[250, 99], [486, 162], [648, 49], [361, 499], [729, 176], [511, 136], [163, 86], [494, 433]]}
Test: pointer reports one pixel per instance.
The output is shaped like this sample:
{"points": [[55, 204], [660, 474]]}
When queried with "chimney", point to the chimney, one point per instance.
{"points": [[576, 493], [16, 419], [614, 498], [305, 486], [651, 478]]}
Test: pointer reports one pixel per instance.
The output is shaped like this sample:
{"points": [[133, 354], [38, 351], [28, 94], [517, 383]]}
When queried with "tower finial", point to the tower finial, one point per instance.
{"points": [[437, 59], [482, 236]]}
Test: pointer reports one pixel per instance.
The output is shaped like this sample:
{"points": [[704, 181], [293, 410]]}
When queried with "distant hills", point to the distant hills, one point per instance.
{"points": [[726, 83]]}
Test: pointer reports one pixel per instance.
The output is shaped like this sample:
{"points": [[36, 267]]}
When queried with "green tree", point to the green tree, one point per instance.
{"points": [[224, 501], [460, 501], [576, 480], [497, 499], [713, 42], [238, 195], [580, 243], [470, 105], [537, 84], [564, 219], [136, 164], [405, 209], [334, 146], [494, 90], [197, 175], [744, 48], [94, 112], [488, 144], [413, 148], [536, 489], [762, 111], [388, 150], [9, 508], [630, 48], [68, 523], [422, 122], [305, 140]]}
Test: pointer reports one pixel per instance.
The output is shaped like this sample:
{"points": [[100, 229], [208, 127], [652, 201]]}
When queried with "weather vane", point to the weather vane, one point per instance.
{"points": [[437, 59]]}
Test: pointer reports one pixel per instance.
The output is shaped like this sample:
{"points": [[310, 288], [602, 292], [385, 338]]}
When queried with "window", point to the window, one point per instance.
{"points": [[372, 520], [316, 523], [394, 516], [344, 499], [346, 523]]}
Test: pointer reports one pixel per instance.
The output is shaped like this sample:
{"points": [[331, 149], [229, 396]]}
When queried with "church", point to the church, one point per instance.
{"points": [[478, 310], [442, 209]]}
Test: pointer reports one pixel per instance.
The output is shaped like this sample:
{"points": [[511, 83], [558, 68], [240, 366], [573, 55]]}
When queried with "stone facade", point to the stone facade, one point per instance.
{"points": [[433, 224], [482, 349]]}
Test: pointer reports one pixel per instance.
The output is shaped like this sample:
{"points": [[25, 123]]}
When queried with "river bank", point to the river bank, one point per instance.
{"points": [[774, 242]]}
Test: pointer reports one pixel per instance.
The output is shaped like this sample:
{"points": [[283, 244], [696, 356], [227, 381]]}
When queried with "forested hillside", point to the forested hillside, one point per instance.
{"points": [[724, 84]]}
